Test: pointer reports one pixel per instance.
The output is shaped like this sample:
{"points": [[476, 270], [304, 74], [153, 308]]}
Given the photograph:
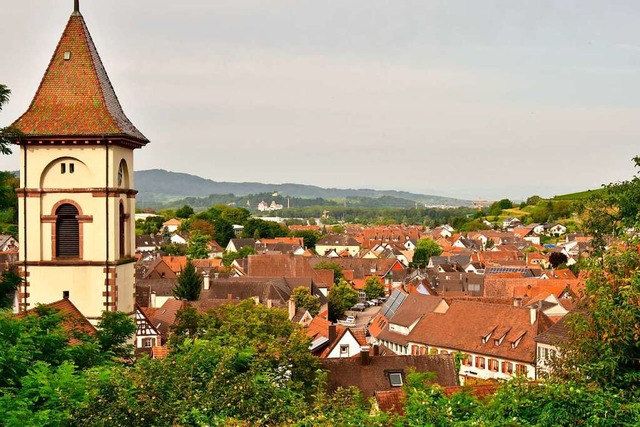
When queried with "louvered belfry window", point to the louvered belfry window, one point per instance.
{"points": [[122, 230], [67, 231]]}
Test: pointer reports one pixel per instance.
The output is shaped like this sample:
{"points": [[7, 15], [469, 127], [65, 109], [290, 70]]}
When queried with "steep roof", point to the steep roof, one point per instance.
{"points": [[75, 97], [374, 376], [474, 327], [73, 321]]}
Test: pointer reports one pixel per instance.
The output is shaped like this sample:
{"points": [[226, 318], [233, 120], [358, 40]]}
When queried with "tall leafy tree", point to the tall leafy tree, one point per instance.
{"points": [[189, 284], [197, 246], [302, 298], [425, 249], [341, 297], [115, 330], [373, 287]]}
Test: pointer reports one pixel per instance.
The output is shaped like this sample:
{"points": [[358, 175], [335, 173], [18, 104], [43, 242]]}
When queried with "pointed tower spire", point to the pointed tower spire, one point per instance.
{"points": [[75, 97]]}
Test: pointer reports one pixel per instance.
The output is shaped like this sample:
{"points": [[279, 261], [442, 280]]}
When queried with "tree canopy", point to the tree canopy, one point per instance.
{"points": [[189, 283], [341, 297], [425, 249]]}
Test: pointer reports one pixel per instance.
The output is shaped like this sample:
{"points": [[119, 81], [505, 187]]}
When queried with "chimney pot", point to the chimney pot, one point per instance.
{"points": [[365, 359]]}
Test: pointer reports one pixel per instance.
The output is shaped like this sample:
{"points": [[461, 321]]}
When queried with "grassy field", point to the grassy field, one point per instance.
{"points": [[578, 196]]}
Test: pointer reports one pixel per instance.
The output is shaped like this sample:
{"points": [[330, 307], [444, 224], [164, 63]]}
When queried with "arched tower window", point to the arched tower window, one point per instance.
{"points": [[67, 231], [122, 221]]}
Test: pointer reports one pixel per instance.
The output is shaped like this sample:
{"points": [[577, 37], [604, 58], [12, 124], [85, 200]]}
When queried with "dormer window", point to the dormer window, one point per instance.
{"points": [[395, 379], [516, 342], [486, 338]]}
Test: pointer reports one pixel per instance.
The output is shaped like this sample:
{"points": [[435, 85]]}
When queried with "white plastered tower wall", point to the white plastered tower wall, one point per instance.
{"points": [[76, 195], [102, 278]]}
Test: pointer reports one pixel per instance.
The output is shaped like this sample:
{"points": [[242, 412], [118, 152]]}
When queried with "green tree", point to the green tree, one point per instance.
{"points": [[189, 284], [184, 212], [8, 286], [425, 249], [197, 246], [310, 237], [373, 287], [604, 338], [7, 134], [228, 257], [115, 331], [302, 298], [341, 297], [327, 265]]}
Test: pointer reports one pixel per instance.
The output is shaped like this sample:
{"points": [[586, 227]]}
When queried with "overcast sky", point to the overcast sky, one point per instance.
{"points": [[459, 98]]}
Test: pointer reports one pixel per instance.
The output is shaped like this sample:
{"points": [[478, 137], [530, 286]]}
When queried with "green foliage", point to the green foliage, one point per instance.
{"points": [[115, 332], [373, 287], [173, 249], [197, 246], [189, 284], [604, 336], [327, 265], [228, 257], [8, 286], [265, 229], [302, 298], [425, 249], [341, 297], [149, 225], [310, 237], [7, 134], [184, 212]]}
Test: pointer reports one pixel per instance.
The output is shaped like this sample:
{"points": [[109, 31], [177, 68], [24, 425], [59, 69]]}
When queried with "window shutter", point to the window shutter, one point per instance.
{"points": [[67, 231]]}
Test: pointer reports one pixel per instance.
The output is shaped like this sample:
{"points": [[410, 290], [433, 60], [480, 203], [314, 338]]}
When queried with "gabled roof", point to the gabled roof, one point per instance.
{"points": [[74, 321], [473, 327], [75, 97], [374, 376]]}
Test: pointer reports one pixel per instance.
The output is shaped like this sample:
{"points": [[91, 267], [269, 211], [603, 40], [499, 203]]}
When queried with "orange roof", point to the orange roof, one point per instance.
{"points": [[176, 263], [73, 322], [75, 96], [172, 221]]}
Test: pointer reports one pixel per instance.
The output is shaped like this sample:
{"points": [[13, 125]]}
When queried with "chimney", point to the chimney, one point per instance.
{"points": [[332, 333], [65, 294], [517, 302], [533, 312], [364, 355], [216, 275], [292, 308], [152, 300], [376, 350], [206, 282]]}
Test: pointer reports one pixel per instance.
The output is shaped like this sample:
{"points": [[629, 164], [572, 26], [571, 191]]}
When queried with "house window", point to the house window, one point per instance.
{"points": [[147, 342], [344, 350], [63, 167], [395, 379], [494, 365], [521, 369], [466, 360], [474, 287], [507, 368], [72, 168], [480, 362], [67, 231]]}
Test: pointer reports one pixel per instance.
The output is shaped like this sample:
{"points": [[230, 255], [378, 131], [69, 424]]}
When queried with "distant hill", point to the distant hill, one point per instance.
{"points": [[579, 196], [157, 186]]}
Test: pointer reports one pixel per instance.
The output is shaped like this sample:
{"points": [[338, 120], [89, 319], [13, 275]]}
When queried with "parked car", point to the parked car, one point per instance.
{"points": [[359, 307], [350, 319]]}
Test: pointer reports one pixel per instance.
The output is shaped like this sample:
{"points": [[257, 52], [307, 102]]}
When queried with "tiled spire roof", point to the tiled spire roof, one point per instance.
{"points": [[75, 97]]}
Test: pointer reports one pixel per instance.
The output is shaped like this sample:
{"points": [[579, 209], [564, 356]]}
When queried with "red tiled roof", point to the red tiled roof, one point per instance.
{"points": [[73, 322], [75, 96], [176, 263]]}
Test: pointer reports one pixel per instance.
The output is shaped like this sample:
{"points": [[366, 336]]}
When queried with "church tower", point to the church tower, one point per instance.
{"points": [[76, 195]]}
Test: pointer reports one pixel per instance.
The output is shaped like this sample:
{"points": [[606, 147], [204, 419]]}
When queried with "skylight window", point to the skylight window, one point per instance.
{"points": [[395, 379]]}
